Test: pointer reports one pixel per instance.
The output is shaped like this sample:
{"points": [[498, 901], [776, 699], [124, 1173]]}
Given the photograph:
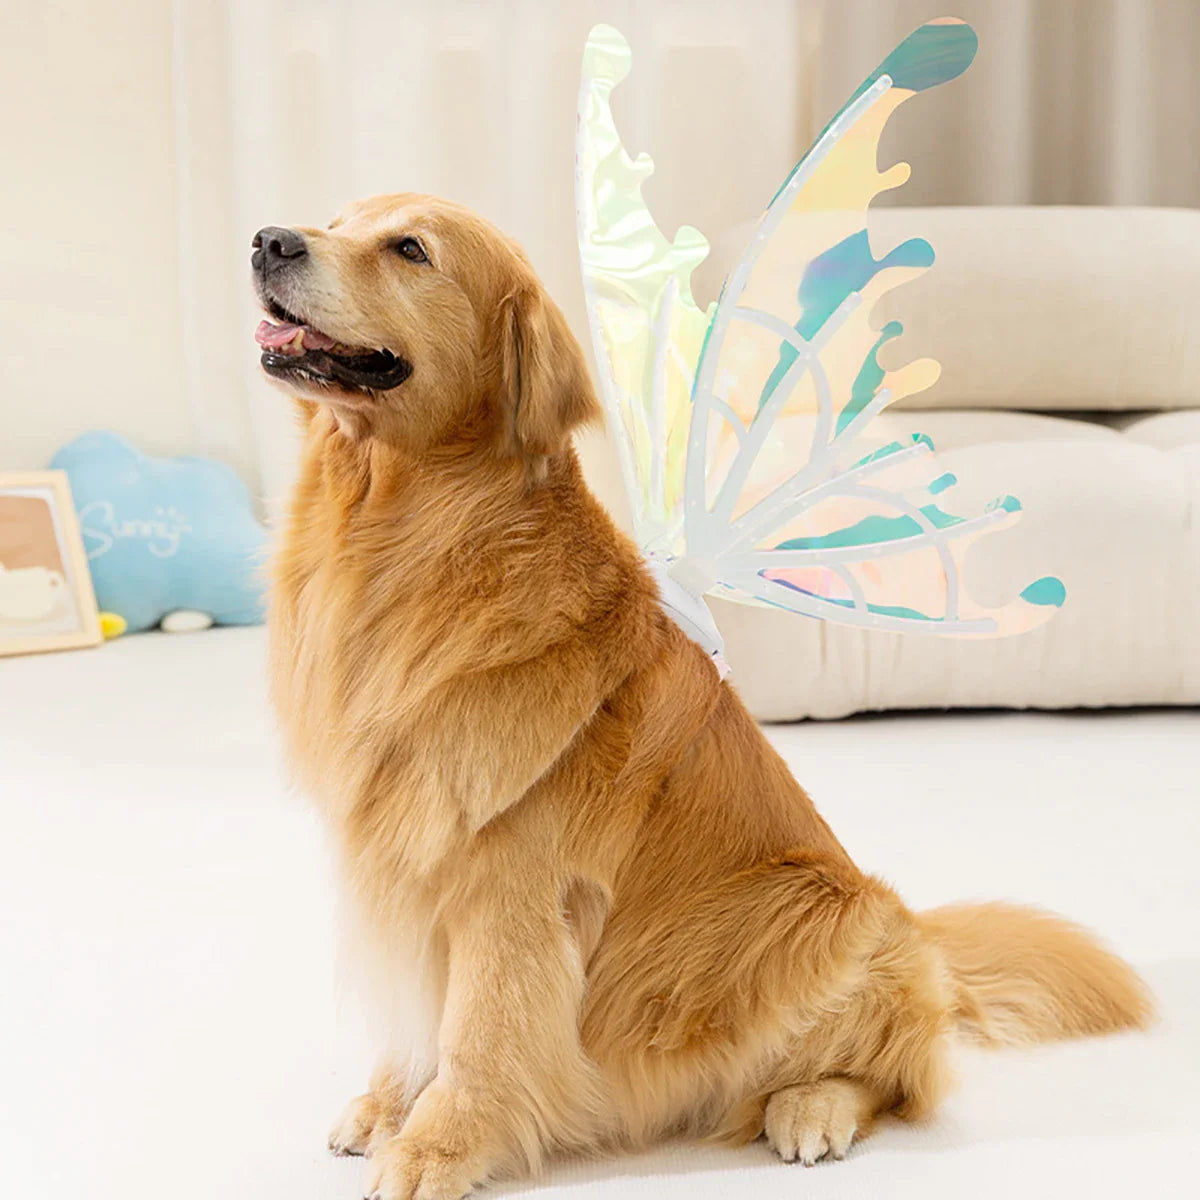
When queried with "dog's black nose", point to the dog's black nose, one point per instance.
{"points": [[276, 247]]}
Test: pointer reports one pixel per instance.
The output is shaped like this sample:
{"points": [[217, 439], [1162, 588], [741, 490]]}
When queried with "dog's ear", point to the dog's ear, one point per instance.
{"points": [[545, 385]]}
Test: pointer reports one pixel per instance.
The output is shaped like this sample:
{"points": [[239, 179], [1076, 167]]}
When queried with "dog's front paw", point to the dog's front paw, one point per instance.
{"points": [[351, 1133], [405, 1168], [370, 1120], [814, 1120]]}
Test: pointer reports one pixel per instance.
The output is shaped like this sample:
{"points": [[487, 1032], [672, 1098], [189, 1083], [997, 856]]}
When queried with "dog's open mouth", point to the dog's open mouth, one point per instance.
{"points": [[292, 349]]}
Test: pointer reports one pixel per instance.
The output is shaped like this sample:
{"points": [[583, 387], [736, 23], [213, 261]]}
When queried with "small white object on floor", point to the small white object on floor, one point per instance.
{"points": [[186, 620]]}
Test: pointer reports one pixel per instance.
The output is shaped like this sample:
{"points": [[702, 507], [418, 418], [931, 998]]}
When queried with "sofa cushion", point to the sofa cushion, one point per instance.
{"points": [[1114, 513], [1168, 431], [1044, 308]]}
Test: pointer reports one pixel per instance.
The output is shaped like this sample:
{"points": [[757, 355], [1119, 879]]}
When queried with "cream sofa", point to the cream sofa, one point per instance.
{"points": [[1070, 346]]}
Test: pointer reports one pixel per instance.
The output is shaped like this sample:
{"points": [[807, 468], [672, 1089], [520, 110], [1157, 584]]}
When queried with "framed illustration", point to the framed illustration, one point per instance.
{"points": [[46, 598]]}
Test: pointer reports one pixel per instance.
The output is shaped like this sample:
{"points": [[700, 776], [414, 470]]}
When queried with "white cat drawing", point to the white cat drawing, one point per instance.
{"points": [[30, 594]]}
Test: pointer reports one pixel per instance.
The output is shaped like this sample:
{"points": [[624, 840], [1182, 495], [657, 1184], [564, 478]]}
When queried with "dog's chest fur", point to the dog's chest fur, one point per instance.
{"points": [[433, 642], [361, 650]]}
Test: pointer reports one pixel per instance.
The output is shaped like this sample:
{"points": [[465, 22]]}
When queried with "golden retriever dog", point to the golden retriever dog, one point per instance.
{"points": [[594, 907]]}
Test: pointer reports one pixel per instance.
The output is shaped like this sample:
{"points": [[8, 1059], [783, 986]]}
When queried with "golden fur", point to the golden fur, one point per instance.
{"points": [[617, 914]]}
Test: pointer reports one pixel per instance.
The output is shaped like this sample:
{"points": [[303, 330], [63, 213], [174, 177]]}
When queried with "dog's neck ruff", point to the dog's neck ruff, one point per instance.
{"points": [[690, 613]]}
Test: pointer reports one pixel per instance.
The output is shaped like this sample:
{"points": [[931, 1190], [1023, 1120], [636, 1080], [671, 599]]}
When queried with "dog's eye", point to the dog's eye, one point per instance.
{"points": [[411, 249]]}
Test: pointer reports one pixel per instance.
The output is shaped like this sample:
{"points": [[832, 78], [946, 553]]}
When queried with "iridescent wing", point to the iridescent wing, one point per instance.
{"points": [[646, 328], [792, 498]]}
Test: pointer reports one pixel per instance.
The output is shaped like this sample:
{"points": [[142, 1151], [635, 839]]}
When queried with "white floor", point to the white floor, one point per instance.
{"points": [[169, 1025]]}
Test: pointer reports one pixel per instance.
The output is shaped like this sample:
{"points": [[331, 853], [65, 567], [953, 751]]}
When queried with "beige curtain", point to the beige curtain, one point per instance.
{"points": [[288, 109], [1068, 101], [154, 139]]}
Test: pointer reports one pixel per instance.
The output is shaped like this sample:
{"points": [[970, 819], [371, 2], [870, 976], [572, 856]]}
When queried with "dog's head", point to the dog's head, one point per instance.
{"points": [[419, 323]]}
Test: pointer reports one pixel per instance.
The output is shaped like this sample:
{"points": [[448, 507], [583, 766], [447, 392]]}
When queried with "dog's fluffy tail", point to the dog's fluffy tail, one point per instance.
{"points": [[1023, 976]]}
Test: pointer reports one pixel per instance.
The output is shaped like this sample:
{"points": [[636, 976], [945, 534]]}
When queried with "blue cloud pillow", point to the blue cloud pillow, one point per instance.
{"points": [[163, 534]]}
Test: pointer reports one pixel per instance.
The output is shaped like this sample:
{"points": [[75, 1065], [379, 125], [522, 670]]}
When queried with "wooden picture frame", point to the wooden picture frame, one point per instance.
{"points": [[46, 596]]}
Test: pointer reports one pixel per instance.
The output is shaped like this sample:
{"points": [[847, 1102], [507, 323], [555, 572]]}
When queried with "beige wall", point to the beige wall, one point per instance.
{"points": [[89, 305]]}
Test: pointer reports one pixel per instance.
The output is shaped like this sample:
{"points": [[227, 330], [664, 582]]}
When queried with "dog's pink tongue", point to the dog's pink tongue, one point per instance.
{"points": [[271, 336]]}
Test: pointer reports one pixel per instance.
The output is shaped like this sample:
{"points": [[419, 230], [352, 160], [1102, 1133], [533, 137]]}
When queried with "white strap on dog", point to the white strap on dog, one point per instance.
{"points": [[690, 613]]}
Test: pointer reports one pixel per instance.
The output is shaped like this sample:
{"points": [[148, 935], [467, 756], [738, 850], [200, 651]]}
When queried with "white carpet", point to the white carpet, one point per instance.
{"points": [[168, 1018]]}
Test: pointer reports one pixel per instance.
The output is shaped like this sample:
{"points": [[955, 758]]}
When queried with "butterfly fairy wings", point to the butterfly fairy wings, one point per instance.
{"points": [[747, 433]]}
